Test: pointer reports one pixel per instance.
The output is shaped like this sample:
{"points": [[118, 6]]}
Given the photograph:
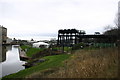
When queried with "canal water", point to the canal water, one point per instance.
{"points": [[10, 61]]}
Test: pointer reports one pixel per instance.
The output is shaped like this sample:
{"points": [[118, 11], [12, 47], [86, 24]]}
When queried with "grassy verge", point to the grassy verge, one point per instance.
{"points": [[30, 50], [65, 48], [95, 63], [52, 62]]}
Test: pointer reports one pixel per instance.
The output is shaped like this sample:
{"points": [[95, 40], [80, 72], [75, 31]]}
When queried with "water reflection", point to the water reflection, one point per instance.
{"points": [[0, 60], [12, 63], [3, 50], [8, 48], [0, 53]]}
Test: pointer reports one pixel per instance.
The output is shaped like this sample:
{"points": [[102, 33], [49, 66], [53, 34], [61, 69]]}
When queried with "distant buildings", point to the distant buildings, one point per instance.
{"points": [[97, 33], [3, 34], [9, 40]]}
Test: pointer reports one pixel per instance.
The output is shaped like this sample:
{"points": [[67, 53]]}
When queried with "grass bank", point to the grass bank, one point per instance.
{"points": [[30, 51], [51, 62], [95, 63]]}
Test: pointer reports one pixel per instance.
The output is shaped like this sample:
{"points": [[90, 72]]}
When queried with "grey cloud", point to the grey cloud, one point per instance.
{"points": [[46, 16]]}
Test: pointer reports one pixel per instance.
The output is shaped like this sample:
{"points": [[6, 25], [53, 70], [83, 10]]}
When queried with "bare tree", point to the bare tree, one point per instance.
{"points": [[112, 30], [116, 20], [108, 27]]}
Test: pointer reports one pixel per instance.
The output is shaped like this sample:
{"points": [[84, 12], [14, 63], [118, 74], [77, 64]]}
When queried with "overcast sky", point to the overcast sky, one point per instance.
{"points": [[25, 18]]}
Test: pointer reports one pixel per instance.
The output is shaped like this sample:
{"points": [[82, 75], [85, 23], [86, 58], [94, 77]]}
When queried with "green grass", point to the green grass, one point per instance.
{"points": [[51, 62], [93, 63], [65, 48], [30, 50], [104, 45]]}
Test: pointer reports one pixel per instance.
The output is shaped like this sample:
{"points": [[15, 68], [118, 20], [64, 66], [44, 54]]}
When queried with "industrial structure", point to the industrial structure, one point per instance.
{"points": [[69, 37], [3, 34], [3, 39]]}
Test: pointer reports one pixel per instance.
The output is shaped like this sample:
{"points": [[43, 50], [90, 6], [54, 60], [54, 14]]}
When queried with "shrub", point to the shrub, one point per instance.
{"points": [[78, 46]]}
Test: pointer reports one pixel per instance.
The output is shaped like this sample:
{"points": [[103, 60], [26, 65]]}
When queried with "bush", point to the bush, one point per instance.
{"points": [[78, 46]]}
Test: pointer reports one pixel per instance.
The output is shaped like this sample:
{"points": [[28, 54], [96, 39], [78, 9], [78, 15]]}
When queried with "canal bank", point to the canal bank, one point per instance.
{"points": [[23, 55]]}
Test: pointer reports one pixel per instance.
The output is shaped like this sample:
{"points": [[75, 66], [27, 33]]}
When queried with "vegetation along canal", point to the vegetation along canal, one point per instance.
{"points": [[10, 60]]}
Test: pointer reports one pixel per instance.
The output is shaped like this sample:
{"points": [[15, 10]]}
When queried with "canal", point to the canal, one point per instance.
{"points": [[11, 62]]}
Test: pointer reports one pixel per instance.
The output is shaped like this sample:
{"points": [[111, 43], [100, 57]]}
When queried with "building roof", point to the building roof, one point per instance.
{"points": [[40, 43]]}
